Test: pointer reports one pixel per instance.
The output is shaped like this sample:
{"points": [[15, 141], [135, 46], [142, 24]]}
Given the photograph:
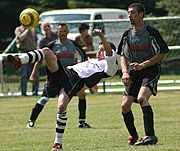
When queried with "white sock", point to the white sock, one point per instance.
{"points": [[32, 56]]}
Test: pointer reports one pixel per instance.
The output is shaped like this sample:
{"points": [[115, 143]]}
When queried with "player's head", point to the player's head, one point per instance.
{"points": [[83, 27], [46, 26], [101, 53], [62, 30], [136, 12]]}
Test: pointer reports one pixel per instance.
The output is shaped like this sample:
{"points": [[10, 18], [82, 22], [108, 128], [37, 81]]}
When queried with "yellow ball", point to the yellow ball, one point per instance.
{"points": [[29, 18]]}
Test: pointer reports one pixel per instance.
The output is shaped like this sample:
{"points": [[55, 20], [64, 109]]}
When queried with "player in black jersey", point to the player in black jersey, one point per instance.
{"points": [[72, 79], [143, 46]]}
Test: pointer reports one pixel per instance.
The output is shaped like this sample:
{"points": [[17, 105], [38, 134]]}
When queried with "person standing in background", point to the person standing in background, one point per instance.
{"points": [[86, 42], [26, 41]]}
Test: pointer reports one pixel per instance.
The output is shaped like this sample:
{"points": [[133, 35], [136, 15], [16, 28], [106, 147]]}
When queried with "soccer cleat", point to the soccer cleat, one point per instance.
{"points": [[57, 146], [132, 140], [84, 125], [30, 124], [15, 61], [147, 140]]}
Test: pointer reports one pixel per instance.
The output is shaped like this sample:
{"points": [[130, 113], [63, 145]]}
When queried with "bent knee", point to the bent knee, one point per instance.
{"points": [[143, 101], [81, 94], [125, 107]]}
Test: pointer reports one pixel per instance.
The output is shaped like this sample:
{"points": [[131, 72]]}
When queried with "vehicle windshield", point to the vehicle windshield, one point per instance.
{"points": [[55, 19], [65, 17]]}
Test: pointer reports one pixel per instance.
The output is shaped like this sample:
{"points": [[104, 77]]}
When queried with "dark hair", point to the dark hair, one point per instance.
{"points": [[111, 45], [83, 26], [140, 7]]}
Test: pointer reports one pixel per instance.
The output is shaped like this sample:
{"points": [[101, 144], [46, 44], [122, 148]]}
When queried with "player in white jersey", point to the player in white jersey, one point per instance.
{"points": [[73, 78]]}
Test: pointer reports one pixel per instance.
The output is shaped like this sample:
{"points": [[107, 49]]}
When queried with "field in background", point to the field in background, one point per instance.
{"points": [[103, 113]]}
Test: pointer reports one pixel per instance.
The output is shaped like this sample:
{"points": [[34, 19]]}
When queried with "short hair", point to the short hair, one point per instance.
{"points": [[111, 45], [83, 26], [62, 24], [140, 7]]}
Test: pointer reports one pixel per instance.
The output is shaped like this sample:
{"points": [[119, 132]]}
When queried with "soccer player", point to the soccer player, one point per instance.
{"points": [[145, 48], [72, 79], [67, 51]]}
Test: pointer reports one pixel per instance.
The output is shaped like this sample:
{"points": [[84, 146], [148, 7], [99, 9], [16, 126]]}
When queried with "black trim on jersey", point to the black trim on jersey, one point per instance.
{"points": [[122, 40], [153, 32], [83, 53], [160, 41]]}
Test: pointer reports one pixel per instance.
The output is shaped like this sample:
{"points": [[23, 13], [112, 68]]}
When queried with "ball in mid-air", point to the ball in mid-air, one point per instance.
{"points": [[29, 18]]}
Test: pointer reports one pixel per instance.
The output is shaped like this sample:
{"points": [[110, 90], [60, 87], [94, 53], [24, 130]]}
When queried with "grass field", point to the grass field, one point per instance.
{"points": [[103, 113]]}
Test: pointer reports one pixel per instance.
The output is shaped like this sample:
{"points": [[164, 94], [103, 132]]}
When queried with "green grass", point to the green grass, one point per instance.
{"points": [[103, 113]]}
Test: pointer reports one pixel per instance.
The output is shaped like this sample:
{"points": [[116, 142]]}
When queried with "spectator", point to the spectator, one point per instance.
{"points": [[26, 41], [86, 42]]}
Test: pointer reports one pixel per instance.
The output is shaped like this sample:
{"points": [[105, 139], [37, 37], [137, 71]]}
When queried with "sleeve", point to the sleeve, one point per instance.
{"points": [[122, 40], [112, 64], [82, 54], [160, 41]]}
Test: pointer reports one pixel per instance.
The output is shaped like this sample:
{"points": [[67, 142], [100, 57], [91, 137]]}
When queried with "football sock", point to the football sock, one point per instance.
{"points": [[60, 127], [148, 120], [35, 112], [129, 122], [82, 110], [32, 56]]}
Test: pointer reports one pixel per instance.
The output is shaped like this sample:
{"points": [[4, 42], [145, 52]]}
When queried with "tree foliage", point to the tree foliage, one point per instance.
{"points": [[11, 9]]}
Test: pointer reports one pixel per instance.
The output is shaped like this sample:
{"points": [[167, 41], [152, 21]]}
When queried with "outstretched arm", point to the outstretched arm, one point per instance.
{"points": [[106, 45]]}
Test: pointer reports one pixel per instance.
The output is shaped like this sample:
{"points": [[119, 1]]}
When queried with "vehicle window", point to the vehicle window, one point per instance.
{"points": [[98, 25], [65, 17]]}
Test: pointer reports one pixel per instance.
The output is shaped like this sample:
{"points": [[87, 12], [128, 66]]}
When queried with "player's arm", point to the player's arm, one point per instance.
{"points": [[106, 45], [32, 78], [154, 60], [126, 79], [24, 34]]}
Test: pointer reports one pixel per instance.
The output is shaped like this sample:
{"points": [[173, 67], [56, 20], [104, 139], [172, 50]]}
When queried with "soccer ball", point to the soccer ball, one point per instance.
{"points": [[29, 18]]}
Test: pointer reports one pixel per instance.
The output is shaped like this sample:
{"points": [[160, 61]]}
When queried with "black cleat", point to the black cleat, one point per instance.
{"points": [[132, 140], [84, 125], [147, 140]]}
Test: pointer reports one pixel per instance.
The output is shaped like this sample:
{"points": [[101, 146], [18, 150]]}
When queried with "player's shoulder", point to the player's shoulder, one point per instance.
{"points": [[152, 30]]}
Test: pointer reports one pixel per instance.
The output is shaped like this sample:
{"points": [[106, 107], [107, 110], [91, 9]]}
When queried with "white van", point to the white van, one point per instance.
{"points": [[74, 17]]}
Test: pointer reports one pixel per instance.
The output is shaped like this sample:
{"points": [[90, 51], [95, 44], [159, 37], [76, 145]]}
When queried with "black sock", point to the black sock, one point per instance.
{"points": [[82, 109], [35, 112], [148, 120], [129, 122]]}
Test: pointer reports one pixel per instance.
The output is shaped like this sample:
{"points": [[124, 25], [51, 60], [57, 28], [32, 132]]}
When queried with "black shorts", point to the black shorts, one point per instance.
{"points": [[63, 78], [147, 77]]}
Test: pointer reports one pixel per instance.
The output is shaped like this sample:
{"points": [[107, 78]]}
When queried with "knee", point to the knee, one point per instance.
{"points": [[143, 101], [125, 107], [81, 94], [46, 50]]}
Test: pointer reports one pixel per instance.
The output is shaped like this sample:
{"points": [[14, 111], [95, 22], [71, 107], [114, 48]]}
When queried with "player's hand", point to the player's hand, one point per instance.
{"points": [[136, 66], [126, 79], [97, 32], [32, 79]]}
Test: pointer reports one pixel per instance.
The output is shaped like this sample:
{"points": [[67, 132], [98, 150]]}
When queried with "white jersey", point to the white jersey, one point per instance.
{"points": [[94, 70]]}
